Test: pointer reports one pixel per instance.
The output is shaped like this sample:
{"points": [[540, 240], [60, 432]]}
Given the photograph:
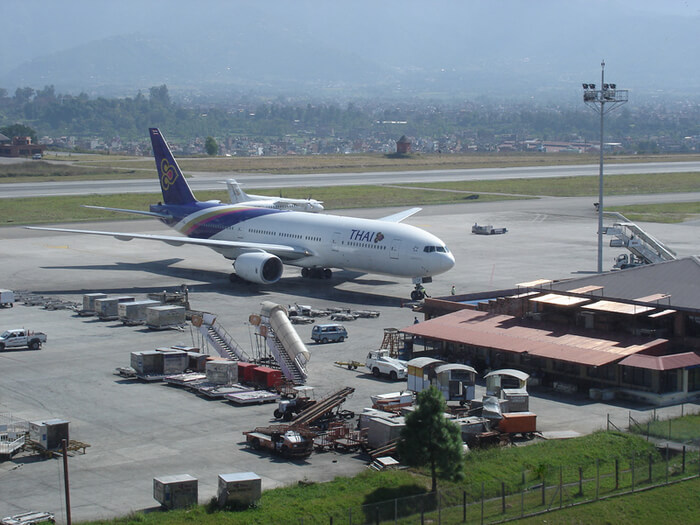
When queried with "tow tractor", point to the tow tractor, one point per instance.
{"points": [[288, 408]]}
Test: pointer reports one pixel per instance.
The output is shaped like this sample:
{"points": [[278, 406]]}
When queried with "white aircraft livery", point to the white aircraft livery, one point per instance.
{"points": [[238, 196], [261, 240]]}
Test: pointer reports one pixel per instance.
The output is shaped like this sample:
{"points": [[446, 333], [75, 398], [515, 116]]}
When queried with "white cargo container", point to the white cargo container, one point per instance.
{"points": [[89, 301], [166, 316], [107, 308], [7, 298], [175, 362], [222, 372], [175, 492], [49, 434], [240, 489], [149, 362], [134, 312]]}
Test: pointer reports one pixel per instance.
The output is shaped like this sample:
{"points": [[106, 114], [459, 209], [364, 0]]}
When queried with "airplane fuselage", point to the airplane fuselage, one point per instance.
{"points": [[331, 241]]}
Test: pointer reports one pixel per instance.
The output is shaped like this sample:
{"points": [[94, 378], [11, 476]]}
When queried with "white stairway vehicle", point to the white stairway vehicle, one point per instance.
{"points": [[645, 249], [219, 338], [283, 342]]}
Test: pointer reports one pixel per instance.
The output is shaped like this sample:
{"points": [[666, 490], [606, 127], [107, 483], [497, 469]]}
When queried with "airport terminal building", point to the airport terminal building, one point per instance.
{"points": [[631, 334]]}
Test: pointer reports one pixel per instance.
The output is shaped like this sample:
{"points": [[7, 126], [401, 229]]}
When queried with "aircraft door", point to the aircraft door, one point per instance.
{"points": [[395, 248], [335, 242]]}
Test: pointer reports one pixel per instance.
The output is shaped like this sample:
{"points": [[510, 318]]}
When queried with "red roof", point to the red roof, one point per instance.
{"points": [[663, 362], [511, 334]]}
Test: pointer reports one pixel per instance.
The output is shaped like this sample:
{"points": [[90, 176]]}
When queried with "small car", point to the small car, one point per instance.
{"points": [[332, 332]]}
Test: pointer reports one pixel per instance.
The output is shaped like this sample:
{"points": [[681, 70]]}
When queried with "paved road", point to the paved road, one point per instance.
{"points": [[212, 181]]}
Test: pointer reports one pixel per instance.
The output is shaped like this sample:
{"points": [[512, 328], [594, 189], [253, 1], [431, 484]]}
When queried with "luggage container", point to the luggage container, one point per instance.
{"points": [[175, 492], [7, 298], [89, 301], [198, 362], [524, 423], [149, 362], [239, 490], [49, 434], [245, 371], [166, 316], [266, 377], [175, 362], [133, 313], [222, 372], [107, 308]]}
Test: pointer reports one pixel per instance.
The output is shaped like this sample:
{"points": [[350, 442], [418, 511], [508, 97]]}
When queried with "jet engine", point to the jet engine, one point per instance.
{"points": [[258, 267]]}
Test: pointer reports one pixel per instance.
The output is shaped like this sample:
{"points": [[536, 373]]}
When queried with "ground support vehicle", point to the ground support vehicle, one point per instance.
{"points": [[288, 408], [487, 229], [27, 518], [343, 316], [20, 338], [350, 365], [285, 440], [366, 314], [302, 319], [332, 332], [380, 363]]}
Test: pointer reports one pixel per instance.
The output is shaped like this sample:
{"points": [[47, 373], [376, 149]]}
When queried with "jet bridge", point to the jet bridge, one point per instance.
{"points": [[643, 247]]}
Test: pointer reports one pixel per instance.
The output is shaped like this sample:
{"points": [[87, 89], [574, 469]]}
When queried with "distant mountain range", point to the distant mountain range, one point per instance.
{"points": [[344, 50]]}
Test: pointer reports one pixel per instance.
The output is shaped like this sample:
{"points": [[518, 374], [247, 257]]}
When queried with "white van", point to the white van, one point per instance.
{"points": [[324, 333]]}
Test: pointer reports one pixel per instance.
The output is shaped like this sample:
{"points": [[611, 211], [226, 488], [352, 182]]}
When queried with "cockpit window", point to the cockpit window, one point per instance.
{"points": [[430, 249]]}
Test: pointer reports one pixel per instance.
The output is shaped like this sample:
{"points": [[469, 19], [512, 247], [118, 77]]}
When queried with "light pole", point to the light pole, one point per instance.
{"points": [[597, 99]]}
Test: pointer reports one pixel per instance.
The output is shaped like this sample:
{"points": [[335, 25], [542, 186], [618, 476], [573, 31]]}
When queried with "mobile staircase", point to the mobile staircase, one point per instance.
{"points": [[283, 342], [216, 336], [643, 247], [291, 368]]}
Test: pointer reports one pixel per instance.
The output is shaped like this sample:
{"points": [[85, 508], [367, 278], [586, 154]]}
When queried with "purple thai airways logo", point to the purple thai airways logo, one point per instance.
{"points": [[168, 174]]}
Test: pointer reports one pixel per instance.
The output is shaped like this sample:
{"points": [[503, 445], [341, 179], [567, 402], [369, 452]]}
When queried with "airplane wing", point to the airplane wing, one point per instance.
{"points": [[398, 217], [283, 250], [122, 210]]}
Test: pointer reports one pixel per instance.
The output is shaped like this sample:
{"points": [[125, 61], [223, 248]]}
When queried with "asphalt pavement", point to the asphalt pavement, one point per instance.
{"points": [[138, 431]]}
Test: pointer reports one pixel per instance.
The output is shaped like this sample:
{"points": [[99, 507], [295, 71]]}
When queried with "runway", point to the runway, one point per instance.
{"points": [[212, 181]]}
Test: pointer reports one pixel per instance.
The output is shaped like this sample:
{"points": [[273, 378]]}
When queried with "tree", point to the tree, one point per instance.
{"points": [[428, 439], [211, 147], [19, 130]]}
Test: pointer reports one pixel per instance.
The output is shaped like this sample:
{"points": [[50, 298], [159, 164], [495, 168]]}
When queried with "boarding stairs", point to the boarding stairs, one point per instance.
{"points": [[291, 368], [221, 340], [323, 407], [642, 245]]}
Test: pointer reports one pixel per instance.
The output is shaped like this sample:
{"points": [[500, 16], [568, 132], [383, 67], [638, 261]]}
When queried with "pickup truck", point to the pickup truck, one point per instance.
{"points": [[19, 338], [380, 363]]}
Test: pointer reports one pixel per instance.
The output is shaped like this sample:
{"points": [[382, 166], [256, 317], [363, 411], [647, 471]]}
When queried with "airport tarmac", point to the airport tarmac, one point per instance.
{"points": [[138, 431]]}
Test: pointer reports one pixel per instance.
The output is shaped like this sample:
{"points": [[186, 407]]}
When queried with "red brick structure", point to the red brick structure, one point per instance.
{"points": [[19, 147], [403, 145]]}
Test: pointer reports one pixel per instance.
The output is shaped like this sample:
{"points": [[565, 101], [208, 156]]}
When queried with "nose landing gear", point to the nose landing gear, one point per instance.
{"points": [[419, 293], [316, 273]]}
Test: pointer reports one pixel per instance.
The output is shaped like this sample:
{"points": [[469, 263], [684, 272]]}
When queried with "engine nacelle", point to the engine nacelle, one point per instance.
{"points": [[258, 267]]}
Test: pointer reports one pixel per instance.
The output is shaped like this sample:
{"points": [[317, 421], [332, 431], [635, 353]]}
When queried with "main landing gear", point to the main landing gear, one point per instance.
{"points": [[316, 273]]}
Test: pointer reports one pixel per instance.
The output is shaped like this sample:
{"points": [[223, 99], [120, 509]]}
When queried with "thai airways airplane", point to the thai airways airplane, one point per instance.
{"points": [[261, 240], [238, 196]]}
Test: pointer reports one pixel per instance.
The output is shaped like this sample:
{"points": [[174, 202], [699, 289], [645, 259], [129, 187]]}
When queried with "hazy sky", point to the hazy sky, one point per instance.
{"points": [[464, 47]]}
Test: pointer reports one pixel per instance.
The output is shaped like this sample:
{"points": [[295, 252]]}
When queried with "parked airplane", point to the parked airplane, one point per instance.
{"points": [[238, 196], [261, 240]]}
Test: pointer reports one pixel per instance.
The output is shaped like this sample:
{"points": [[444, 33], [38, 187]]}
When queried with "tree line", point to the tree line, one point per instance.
{"points": [[56, 115]]}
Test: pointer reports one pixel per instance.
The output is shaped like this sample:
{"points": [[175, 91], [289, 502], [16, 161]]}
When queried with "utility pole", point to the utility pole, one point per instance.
{"points": [[597, 99]]}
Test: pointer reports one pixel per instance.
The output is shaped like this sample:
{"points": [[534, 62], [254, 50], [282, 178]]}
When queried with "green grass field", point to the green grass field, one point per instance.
{"points": [[357, 498]]}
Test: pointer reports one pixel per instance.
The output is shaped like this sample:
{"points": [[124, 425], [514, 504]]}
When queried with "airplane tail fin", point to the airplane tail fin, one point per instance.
{"points": [[235, 192], [172, 182]]}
